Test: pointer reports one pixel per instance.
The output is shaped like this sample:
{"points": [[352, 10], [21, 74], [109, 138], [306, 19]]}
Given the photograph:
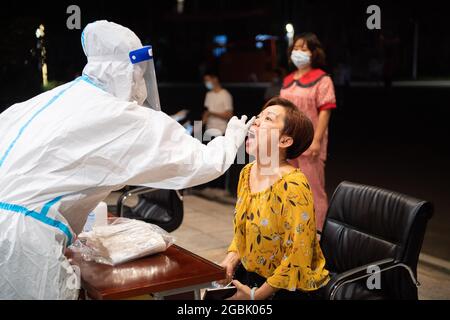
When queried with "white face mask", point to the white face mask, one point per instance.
{"points": [[300, 58], [139, 89], [139, 93], [209, 85]]}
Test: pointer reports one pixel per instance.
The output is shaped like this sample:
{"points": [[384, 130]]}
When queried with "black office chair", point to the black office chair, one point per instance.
{"points": [[366, 227], [157, 206]]}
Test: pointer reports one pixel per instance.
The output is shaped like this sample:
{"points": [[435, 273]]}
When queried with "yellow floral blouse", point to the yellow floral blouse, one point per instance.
{"points": [[275, 233]]}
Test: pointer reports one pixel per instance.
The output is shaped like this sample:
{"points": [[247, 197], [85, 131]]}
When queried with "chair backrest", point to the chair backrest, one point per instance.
{"points": [[366, 224]]}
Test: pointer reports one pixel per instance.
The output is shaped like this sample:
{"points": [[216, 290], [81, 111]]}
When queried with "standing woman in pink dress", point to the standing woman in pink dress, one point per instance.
{"points": [[311, 90]]}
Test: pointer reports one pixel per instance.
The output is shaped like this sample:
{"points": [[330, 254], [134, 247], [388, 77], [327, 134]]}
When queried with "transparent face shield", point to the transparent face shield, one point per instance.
{"points": [[143, 58]]}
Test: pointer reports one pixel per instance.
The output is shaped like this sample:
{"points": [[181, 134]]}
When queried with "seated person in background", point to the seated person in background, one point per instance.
{"points": [[218, 111], [275, 252], [218, 106]]}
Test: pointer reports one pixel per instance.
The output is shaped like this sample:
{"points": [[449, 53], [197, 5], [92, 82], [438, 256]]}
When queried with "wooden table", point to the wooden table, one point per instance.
{"points": [[174, 271]]}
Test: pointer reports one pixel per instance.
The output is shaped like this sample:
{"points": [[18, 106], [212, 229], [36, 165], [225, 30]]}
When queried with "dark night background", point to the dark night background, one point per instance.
{"points": [[394, 137]]}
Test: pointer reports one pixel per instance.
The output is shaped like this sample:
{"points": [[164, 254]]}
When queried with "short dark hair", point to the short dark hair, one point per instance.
{"points": [[211, 73], [296, 125], [318, 57]]}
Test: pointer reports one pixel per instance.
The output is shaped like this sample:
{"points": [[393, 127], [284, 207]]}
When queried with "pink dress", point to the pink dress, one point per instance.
{"points": [[312, 93]]}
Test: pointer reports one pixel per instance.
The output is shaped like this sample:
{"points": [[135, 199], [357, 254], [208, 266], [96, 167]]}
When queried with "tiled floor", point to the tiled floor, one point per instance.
{"points": [[207, 230]]}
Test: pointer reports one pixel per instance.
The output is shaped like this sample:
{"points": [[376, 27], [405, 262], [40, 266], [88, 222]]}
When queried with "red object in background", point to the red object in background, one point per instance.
{"points": [[244, 62]]}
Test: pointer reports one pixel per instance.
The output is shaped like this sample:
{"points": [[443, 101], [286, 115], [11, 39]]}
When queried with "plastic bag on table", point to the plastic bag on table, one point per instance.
{"points": [[122, 240]]}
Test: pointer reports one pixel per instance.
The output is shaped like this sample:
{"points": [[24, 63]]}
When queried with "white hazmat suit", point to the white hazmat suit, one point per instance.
{"points": [[65, 150]]}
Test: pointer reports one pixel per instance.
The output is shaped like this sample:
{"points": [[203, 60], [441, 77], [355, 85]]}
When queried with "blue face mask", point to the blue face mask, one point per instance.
{"points": [[300, 58], [209, 85]]}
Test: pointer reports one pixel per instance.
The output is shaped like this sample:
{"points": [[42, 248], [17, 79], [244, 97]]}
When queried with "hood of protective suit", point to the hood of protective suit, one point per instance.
{"points": [[107, 46]]}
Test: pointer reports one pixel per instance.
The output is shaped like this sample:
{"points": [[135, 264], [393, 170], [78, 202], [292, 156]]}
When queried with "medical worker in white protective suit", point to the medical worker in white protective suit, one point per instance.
{"points": [[65, 150]]}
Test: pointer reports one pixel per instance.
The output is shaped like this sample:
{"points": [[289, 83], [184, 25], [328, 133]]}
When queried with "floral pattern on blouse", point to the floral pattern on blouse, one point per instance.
{"points": [[275, 233]]}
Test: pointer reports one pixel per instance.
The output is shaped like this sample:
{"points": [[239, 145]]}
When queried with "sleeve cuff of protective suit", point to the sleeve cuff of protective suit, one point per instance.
{"points": [[233, 139]]}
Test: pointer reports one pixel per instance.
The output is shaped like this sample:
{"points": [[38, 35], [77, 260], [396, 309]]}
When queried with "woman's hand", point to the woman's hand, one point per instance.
{"points": [[229, 263], [319, 132], [242, 293], [314, 149]]}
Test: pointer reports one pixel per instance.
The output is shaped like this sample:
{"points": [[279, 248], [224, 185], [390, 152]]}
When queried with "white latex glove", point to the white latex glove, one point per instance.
{"points": [[237, 129]]}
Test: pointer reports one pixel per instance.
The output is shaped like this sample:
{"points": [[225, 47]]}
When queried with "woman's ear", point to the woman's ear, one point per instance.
{"points": [[285, 142]]}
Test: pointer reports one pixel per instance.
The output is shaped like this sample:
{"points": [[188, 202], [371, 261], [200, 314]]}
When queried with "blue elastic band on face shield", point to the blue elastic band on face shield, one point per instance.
{"points": [[142, 54]]}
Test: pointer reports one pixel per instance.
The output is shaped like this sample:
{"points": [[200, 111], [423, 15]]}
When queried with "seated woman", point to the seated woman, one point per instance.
{"points": [[275, 252]]}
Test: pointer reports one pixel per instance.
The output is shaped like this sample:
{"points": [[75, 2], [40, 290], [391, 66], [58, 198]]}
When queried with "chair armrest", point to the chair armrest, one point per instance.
{"points": [[353, 275], [359, 273], [135, 192]]}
